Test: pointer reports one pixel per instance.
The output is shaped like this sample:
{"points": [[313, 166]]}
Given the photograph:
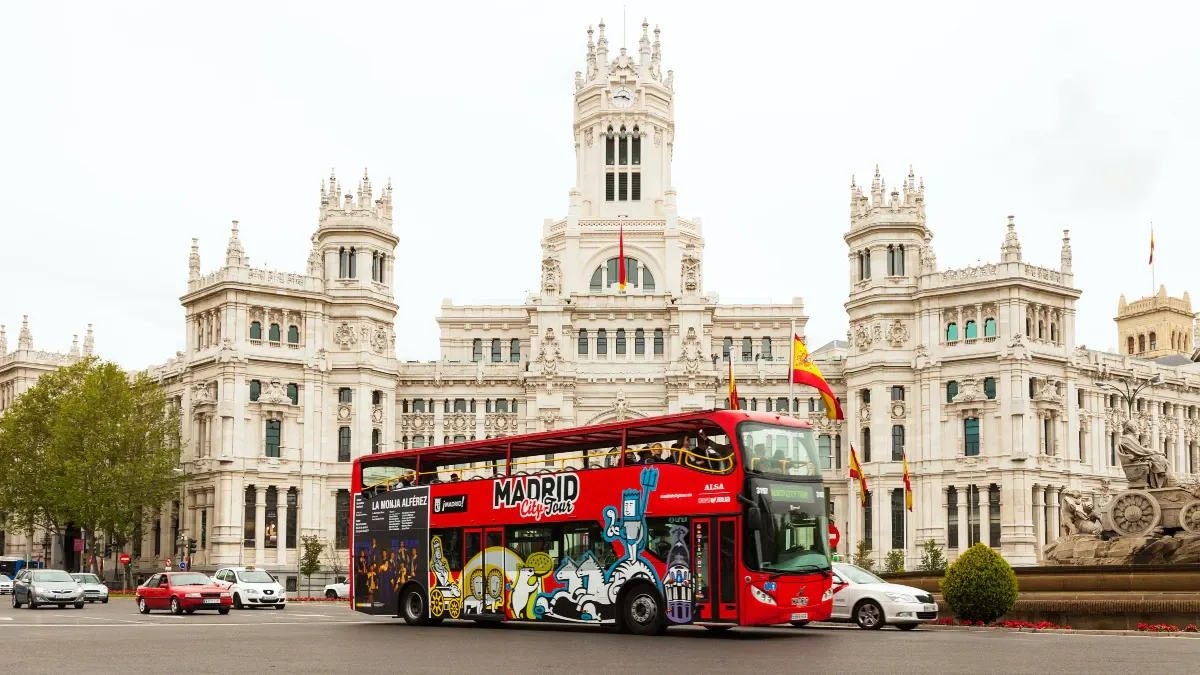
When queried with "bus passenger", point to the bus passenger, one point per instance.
{"points": [[677, 450]]}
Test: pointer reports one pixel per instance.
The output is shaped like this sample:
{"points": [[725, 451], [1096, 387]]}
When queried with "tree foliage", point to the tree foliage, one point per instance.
{"points": [[932, 558], [862, 556], [89, 446], [894, 561], [980, 585]]}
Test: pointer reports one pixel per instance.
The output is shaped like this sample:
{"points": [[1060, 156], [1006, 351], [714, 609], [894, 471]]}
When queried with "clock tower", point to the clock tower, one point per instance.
{"points": [[624, 131]]}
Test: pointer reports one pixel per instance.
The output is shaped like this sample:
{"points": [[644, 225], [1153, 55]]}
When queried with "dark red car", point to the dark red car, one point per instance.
{"points": [[182, 592]]}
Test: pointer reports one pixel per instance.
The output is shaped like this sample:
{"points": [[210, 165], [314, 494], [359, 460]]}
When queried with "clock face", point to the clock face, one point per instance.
{"points": [[622, 97]]}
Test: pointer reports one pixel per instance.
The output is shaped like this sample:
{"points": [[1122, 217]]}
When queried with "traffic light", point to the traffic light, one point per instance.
{"points": [[191, 546]]}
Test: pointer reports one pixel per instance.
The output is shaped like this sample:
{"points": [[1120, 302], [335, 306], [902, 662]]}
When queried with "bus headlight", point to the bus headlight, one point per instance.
{"points": [[761, 596], [827, 595]]}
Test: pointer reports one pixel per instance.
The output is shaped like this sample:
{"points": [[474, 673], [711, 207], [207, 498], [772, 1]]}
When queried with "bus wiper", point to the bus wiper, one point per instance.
{"points": [[798, 570]]}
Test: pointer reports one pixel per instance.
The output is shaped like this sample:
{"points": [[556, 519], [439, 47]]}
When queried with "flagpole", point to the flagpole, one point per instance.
{"points": [[1153, 281], [791, 365]]}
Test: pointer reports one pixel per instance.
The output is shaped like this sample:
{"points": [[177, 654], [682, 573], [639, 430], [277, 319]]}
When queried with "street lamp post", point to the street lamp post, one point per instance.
{"points": [[1131, 387]]}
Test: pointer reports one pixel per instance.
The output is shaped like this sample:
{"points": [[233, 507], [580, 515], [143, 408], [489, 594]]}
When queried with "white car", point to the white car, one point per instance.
{"points": [[93, 588], [340, 589], [251, 587], [5, 585], [871, 602]]}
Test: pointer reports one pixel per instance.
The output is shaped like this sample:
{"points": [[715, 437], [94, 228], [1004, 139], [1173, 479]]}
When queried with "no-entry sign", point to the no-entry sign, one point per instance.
{"points": [[834, 536], [124, 559]]}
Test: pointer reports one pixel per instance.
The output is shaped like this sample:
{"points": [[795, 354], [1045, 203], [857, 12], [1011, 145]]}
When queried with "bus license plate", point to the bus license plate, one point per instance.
{"points": [[800, 616], [212, 601]]}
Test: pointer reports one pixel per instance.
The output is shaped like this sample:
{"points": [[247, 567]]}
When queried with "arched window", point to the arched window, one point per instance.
{"points": [[1153, 341], [1041, 330], [255, 330], [353, 264], [345, 395], [293, 393], [496, 350], [374, 266], [597, 284], [376, 441], [620, 340], [1028, 327], [900, 260], [891, 260], [1054, 333], [639, 341], [477, 349], [867, 264], [255, 389], [1141, 343], [747, 349], [989, 327], [293, 335], [343, 263], [635, 148], [951, 391], [514, 350], [989, 387], [610, 148], [1130, 344], [972, 332], [766, 348], [647, 280], [273, 333], [952, 332], [726, 347], [658, 342], [382, 266], [583, 341], [601, 341]]}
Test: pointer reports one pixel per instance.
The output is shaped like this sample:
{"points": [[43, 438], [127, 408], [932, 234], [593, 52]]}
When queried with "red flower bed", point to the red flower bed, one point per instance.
{"points": [[1166, 628], [1040, 625]]}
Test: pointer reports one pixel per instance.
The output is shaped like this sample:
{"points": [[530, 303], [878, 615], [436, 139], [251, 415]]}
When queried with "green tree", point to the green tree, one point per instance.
{"points": [[894, 561], [90, 446], [862, 556], [980, 585], [932, 558], [310, 558]]}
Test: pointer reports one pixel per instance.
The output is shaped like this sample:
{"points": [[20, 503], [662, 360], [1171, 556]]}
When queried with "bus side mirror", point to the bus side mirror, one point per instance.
{"points": [[754, 518]]}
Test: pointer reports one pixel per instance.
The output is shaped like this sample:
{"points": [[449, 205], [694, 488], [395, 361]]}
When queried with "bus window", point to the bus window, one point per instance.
{"points": [[580, 539], [526, 540], [452, 546], [793, 451], [390, 473], [658, 535]]}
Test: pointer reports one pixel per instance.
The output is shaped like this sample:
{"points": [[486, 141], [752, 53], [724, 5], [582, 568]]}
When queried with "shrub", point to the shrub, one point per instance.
{"points": [[980, 585], [894, 561], [932, 559], [862, 556]]}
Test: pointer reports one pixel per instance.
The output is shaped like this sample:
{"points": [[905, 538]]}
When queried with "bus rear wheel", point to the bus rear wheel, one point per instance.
{"points": [[642, 611], [414, 610]]}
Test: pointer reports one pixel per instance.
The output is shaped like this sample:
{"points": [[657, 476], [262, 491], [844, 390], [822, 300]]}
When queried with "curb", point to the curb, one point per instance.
{"points": [[1062, 631]]}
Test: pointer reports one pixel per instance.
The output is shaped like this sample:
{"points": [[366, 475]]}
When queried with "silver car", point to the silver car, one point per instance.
{"points": [[46, 587], [93, 589]]}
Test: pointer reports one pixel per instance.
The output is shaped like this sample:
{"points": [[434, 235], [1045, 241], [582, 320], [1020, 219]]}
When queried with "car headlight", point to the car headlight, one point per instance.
{"points": [[193, 595], [900, 597], [761, 596], [827, 595]]}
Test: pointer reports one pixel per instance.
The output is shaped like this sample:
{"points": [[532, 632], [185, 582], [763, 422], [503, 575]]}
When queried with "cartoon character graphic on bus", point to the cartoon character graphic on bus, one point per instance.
{"points": [[589, 594], [445, 597], [677, 583]]}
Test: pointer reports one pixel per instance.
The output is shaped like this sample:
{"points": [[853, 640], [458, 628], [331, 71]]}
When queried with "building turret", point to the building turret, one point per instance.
{"points": [[3, 341], [194, 261], [74, 353], [235, 255], [1066, 252], [25, 338], [1010, 250], [89, 342]]}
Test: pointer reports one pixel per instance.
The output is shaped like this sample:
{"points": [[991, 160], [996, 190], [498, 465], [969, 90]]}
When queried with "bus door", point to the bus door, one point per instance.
{"points": [[715, 569], [484, 584]]}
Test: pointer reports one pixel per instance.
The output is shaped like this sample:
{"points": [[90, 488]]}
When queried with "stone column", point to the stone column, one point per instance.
{"points": [[281, 510], [985, 515], [210, 503], [1181, 448], [260, 523], [200, 498], [945, 542], [1052, 528], [1039, 517], [964, 515]]}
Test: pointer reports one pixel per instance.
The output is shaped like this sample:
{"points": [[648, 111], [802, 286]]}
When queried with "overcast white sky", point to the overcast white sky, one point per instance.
{"points": [[126, 129]]}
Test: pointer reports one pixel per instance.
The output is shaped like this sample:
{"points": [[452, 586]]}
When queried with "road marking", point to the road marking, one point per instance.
{"points": [[5, 618]]}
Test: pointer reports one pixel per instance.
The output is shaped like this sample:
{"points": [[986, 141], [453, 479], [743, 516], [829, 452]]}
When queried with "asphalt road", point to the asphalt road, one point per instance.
{"points": [[330, 638]]}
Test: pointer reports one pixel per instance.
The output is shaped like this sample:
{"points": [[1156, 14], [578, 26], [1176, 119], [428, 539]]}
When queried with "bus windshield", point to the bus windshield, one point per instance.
{"points": [[795, 530], [772, 448]]}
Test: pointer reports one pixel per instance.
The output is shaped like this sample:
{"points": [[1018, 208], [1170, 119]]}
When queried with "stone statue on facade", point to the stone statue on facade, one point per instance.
{"points": [[275, 393], [1144, 467]]}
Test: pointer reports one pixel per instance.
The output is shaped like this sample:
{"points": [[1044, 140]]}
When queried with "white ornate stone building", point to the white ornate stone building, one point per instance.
{"points": [[973, 373]]}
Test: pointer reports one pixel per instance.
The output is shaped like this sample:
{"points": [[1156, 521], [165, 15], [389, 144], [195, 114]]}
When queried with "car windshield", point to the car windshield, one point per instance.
{"points": [[772, 448], [4, 578], [857, 575], [255, 577], [52, 576], [190, 580], [86, 578]]}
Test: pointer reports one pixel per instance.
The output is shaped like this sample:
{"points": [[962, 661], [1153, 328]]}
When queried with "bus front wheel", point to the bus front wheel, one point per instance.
{"points": [[643, 611]]}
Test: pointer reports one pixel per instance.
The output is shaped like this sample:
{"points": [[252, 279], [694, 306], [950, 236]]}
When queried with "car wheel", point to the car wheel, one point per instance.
{"points": [[642, 611], [906, 626], [16, 603], [176, 608], [142, 606], [331, 594], [237, 601], [223, 611], [799, 624], [869, 615], [413, 607], [79, 605], [32, 602], [104, 601]]}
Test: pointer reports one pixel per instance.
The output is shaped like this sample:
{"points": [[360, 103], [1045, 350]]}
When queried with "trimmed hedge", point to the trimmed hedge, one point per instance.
{"points": [[980, 585]]}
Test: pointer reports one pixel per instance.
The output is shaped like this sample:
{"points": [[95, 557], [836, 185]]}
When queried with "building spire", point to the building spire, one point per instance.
{"points": [[1010, 251], [656, 57], [1066, 252], [3, 341], [74, 353], [89, 342], [194, 261], [644, 45], [235, 255], [602, 48], [25, 337]]}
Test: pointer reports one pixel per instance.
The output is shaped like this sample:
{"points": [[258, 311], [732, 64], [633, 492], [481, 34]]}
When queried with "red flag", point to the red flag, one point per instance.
{"points": [[907, 484], [856, 471], [621, 256], [804, 371], [733, 397], [1151, 245]]}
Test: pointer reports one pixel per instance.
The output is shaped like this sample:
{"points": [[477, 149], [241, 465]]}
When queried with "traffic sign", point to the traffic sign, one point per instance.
{"points": [[124, 559], [168, 563], [834, 536], [79, 545]]}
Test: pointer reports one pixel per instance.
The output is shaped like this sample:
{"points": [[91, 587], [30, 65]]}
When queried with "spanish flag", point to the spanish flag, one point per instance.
{"points": [[907, 484], [733, 397], [857, 472], [621, 257], [804, 371], [1151, 245]]}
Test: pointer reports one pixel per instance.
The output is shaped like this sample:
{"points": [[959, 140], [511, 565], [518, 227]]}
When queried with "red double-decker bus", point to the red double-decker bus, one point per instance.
{"points": [[715, 518]]}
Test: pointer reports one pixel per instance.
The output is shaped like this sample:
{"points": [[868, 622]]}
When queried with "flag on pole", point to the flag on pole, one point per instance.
{"points": [[1151, 245], [621, 256], [733, 397], [907, 484], [804, 371], [857, 472]]}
